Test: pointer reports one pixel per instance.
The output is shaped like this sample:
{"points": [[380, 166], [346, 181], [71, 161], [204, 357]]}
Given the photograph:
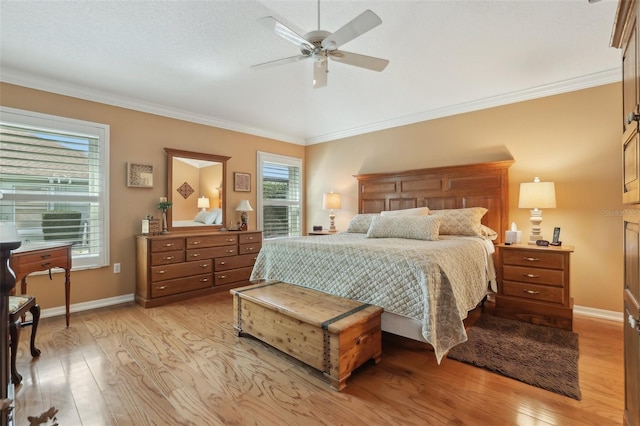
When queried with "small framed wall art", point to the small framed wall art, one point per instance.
{"points": [[139, 175], [241, 182]]}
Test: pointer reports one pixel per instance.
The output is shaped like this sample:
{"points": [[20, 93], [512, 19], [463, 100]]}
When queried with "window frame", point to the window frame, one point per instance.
{"points": [[47, 122], [267, 157]]}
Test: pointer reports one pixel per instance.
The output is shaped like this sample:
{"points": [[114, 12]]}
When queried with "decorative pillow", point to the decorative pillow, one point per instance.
{"points": [[360, 223], [488, 232], [411, 227], [201, 217], [217, 216], [206, 217], [418, 211], [460, 221]]}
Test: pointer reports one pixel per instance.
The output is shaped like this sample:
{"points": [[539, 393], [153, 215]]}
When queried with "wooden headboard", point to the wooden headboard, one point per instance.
{"points": [[473, 185]]}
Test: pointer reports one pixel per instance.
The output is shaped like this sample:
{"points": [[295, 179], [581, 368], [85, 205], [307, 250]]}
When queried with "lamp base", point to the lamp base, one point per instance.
{"points": [[332, 225], [536, 220]]}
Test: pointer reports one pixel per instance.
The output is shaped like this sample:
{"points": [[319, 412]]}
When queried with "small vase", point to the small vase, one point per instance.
{"points": [[164, 222]]}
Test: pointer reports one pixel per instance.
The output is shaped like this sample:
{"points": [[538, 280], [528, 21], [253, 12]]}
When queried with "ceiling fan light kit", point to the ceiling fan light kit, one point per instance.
{"points": [[321, 45]]}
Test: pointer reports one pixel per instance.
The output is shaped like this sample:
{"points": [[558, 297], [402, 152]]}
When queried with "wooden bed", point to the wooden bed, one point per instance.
{"points": [[426, 285], [452, 187]]}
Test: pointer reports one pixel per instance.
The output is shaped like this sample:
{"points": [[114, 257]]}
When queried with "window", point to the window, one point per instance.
{"points": [[54, 182], [279, 195]]}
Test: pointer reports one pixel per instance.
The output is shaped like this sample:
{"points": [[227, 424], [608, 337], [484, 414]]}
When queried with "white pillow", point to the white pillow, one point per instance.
{"points": [[217, 216], [201, 217], [488, 232], [410, 227], [360, 223], [418, 211], [460, 221], [208, 218]]}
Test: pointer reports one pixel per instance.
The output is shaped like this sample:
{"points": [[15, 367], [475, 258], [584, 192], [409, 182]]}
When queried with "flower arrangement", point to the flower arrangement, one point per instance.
{"points": [[164, 205]]}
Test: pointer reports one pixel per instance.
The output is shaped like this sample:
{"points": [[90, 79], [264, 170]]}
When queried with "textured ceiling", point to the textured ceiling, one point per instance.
{"points": [[191, 59]]}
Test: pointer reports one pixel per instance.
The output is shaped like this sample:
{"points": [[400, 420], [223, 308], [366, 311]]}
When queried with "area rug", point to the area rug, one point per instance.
{"points": [[541, 356]]}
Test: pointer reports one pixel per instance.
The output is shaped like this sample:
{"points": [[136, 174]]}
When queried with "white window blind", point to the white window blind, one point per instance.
{"points": [[279, 195], [54, 182]]}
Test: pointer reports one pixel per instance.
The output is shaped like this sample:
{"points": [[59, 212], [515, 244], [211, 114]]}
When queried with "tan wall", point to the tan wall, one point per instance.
{"points": [[139, 138], [572, 139]]}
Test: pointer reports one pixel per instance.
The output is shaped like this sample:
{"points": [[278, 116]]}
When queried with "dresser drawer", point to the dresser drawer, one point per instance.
{"points": [[533, 292], [250, 248], [226, 239], [534, 275], [227, 263], [40, 256], [167, 258], [232, 276], [181, 285], [211, 252], [186, 269], [255, 237], [534, 258], [167, 244]]}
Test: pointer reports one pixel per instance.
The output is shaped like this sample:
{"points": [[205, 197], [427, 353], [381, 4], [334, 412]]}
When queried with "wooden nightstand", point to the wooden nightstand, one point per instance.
{"points": [[533, 284]]}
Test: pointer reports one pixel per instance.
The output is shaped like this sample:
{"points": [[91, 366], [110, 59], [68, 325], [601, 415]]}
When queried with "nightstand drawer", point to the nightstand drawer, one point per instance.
{"points": [[533, 292], [533, 275], [534, 258]]}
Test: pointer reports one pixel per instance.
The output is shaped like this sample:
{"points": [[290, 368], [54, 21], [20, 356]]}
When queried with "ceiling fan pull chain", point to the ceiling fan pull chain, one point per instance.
{"points": [[318, 15]]}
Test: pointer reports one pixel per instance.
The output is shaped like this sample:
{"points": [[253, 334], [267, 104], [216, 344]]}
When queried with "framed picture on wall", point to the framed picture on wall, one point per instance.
{"points": [[241, 182], [139, 175]]}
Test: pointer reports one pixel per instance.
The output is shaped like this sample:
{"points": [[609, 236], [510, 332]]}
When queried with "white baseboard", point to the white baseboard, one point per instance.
{"points": [[85, 306], [101, 303], [598, 313]]}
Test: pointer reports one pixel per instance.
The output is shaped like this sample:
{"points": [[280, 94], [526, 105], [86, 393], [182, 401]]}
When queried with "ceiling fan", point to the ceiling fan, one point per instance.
{"points": [[321, 45]]}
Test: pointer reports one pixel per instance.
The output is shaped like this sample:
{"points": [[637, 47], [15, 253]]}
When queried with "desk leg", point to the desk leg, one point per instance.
{"points": [[67, 290]]}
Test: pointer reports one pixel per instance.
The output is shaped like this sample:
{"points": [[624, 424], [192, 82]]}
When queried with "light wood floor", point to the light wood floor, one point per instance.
{"points": [[182, 364]]}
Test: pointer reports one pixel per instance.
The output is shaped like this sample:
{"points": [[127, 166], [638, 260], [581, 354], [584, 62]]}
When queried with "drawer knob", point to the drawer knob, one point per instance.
{"points": [[168, 258], [249, 238], [531, 292], [44, 265], [45, 256], [195, 243], [168, 244], [204, 265], [531, 259], [223, 263], [531, 275], [249, 248], [162, 287], [229, 240], [230, 251], [161, 272], [222, 277], [195, 255], [204, 280]]}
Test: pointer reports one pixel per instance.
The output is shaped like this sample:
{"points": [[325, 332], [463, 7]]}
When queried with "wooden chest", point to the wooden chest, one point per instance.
{"points": [[330, 333]]}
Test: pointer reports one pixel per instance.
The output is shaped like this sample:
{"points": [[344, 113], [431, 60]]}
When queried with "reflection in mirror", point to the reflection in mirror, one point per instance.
{"points": [[194, 178]]}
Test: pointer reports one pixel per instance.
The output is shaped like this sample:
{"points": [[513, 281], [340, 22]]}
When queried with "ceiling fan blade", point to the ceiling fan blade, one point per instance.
{"points": [[364, 22], [362, 61], [320, 71], [285, 32], [277, 62]]}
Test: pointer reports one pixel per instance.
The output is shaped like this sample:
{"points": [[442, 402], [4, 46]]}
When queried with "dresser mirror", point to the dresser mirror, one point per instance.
{"points": [[196, 188]]}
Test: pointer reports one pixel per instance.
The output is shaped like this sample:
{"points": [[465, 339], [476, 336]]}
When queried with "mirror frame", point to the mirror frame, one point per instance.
{"points": [[173, 153]]}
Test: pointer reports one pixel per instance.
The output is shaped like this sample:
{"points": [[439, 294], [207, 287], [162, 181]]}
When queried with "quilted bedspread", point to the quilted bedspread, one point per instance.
{"points": [[435, 282]]}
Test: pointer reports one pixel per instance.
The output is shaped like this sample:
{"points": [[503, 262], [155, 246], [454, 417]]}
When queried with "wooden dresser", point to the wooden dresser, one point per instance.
{"points": [[533, 284], [179, 266]]}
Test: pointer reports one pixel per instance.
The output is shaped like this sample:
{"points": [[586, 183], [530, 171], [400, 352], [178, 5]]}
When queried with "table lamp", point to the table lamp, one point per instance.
{"points": [[331, 201], [203, 203], [537, 195], [244, 207]]}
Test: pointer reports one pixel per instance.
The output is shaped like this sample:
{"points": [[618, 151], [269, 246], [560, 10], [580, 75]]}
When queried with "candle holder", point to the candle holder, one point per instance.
{"points": [[163, 206]]}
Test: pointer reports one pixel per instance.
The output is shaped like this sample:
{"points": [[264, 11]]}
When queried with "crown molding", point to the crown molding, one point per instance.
{"points": [[584, 82], [48, 85]]}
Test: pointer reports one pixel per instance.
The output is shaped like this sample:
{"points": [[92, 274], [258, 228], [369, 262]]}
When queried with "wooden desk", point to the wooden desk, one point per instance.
{"points": [[42, 257]]}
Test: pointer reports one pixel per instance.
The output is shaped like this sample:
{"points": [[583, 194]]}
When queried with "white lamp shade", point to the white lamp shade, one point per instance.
{"points": [[331, 201], [537, 195], [244, 206], [203, 203]]}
